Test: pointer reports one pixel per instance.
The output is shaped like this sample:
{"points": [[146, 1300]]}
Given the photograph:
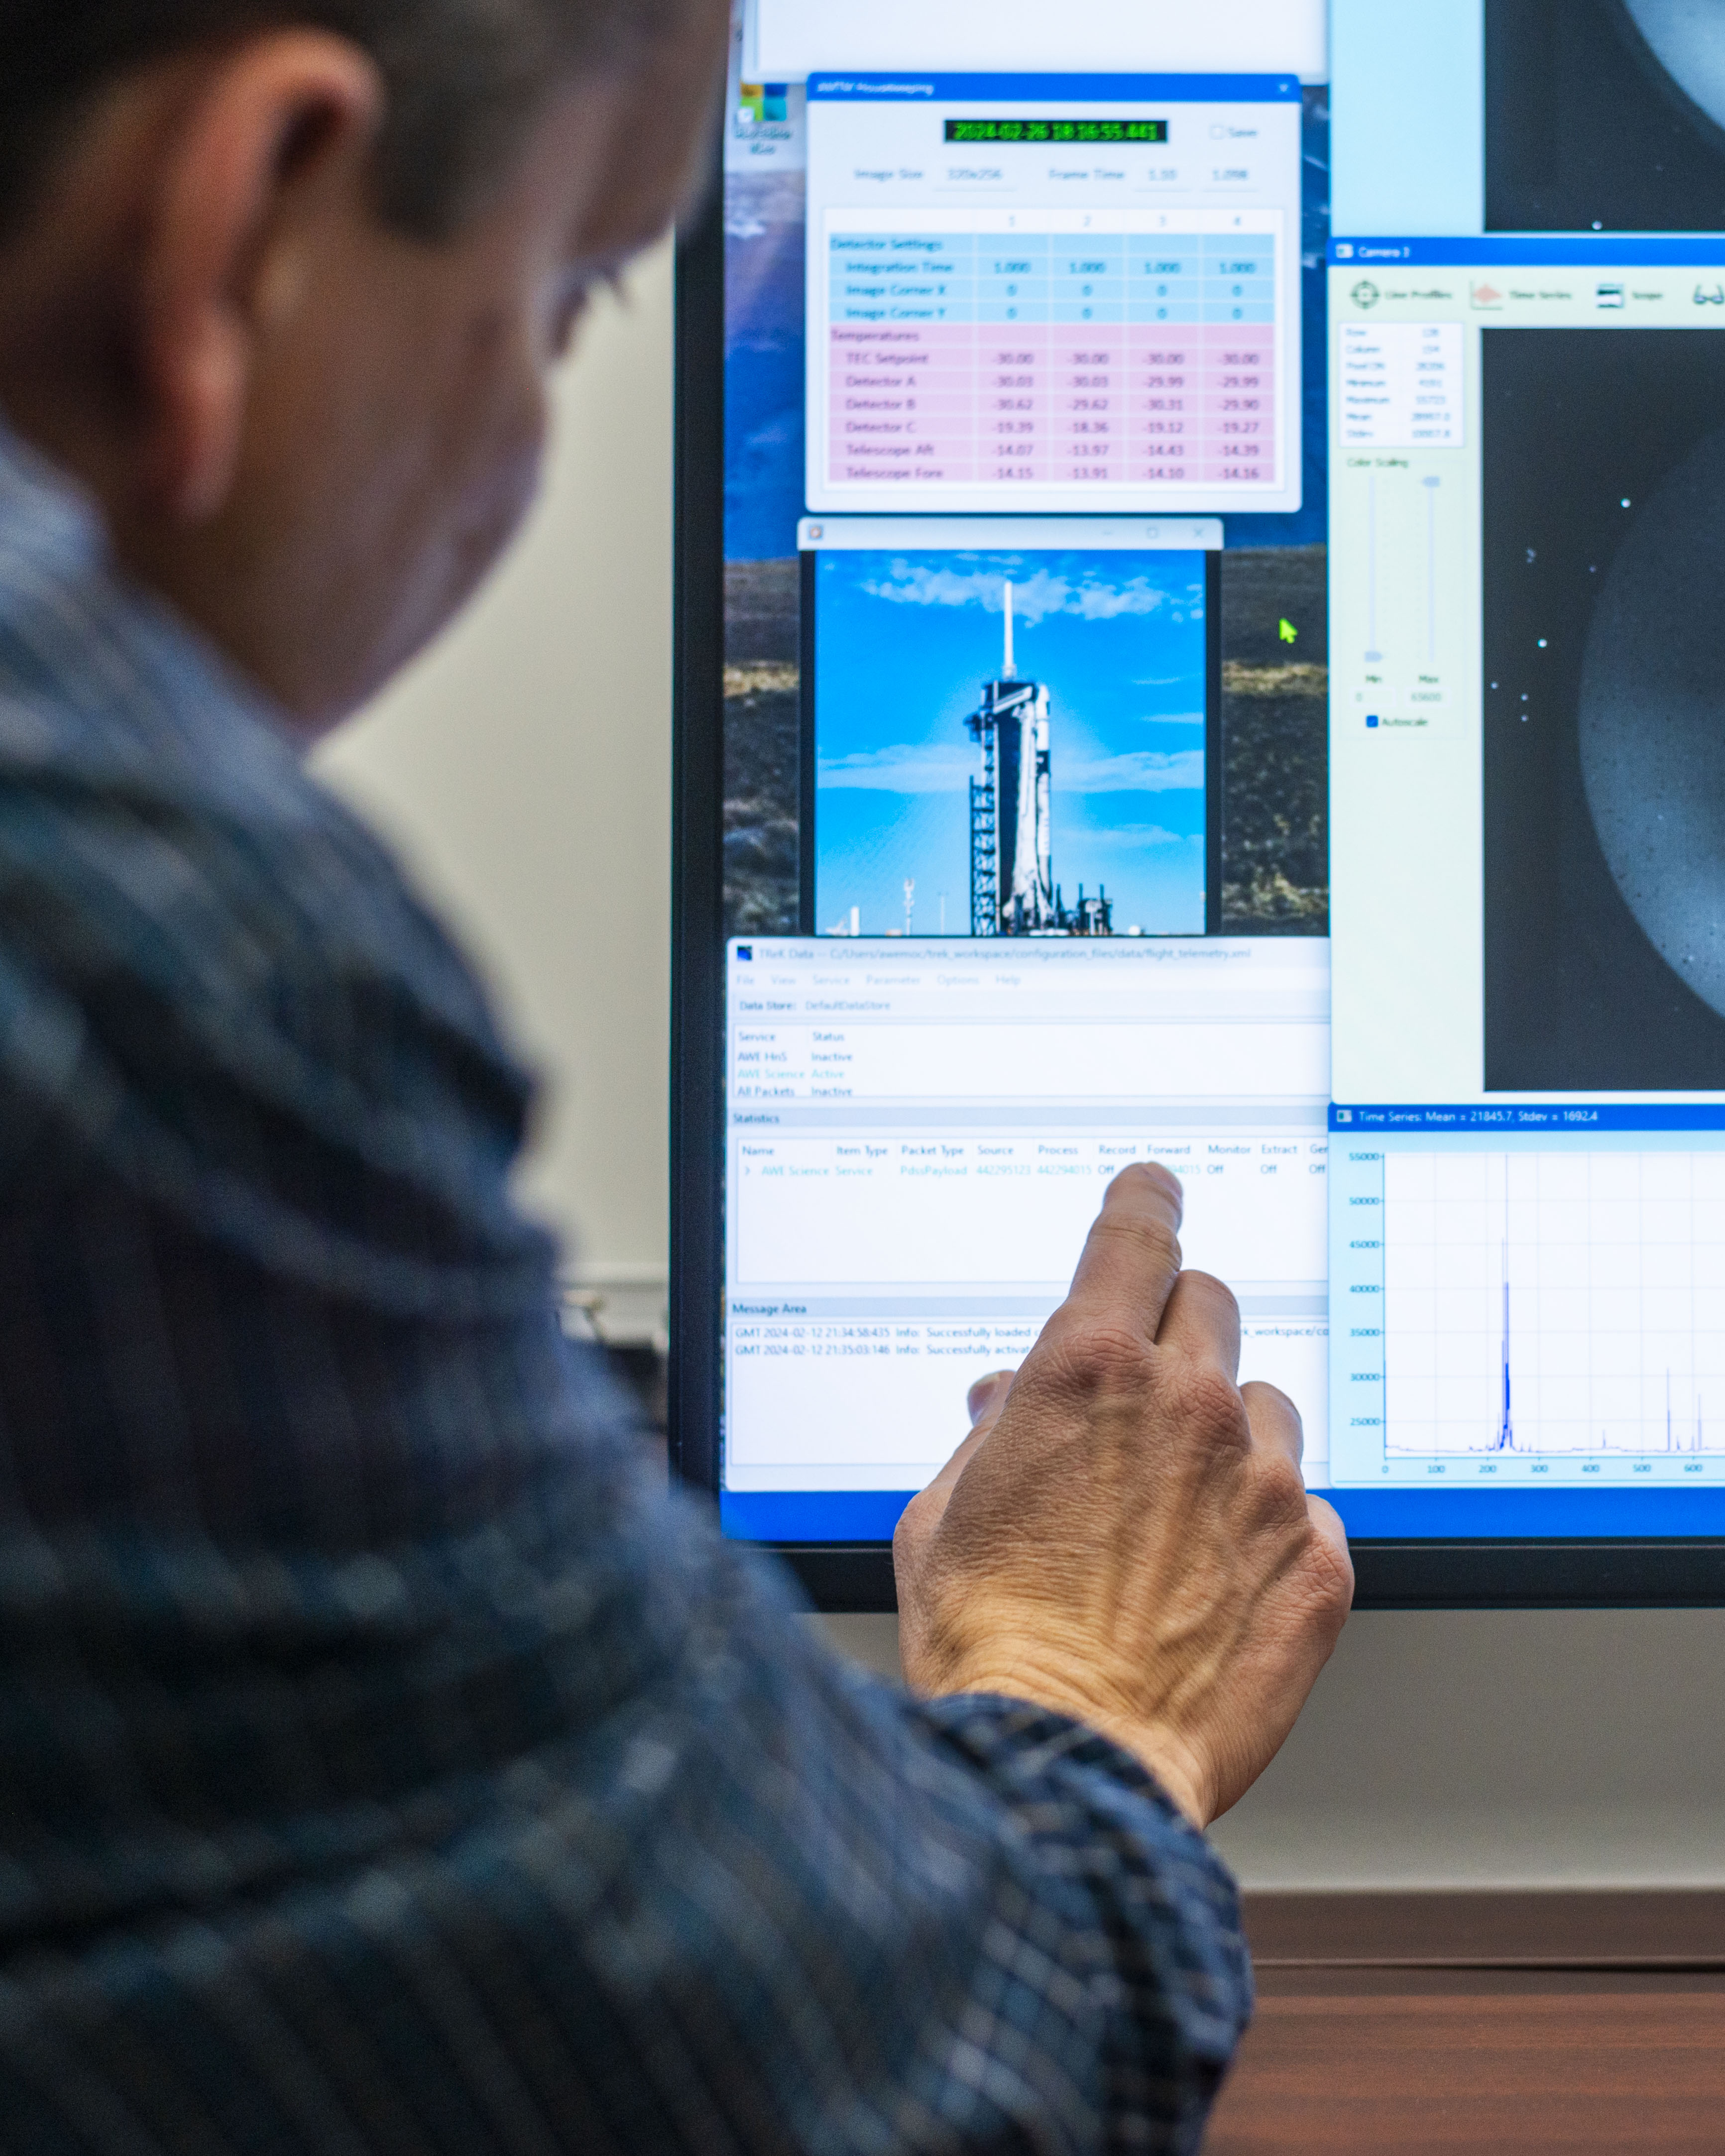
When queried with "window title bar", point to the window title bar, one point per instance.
{"points": [[1555, 1117], [1585, 250], [1128, 535], [1054, 88]]}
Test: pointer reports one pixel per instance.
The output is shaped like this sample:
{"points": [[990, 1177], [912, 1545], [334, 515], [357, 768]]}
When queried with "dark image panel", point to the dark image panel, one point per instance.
{"points": [[1275, 681], [1598, 116], [1604, 561], [761, 804]]}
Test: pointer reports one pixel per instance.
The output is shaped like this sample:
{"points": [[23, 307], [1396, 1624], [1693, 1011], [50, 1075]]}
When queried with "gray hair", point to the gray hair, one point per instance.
{"points": [[464, 77]]}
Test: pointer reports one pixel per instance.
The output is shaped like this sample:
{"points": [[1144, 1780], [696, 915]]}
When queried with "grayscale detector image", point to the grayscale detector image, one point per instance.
{"points": [[1687, 39], [1653, 720], [1604, 116], [1604, 554]]}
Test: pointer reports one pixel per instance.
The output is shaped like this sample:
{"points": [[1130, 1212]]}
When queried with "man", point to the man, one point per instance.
{"points": [[385, 1763]]}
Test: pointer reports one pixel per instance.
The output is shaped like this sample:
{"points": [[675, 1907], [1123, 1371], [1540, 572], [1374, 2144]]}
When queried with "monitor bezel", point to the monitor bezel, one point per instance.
{"points": [[1686, 1573]]}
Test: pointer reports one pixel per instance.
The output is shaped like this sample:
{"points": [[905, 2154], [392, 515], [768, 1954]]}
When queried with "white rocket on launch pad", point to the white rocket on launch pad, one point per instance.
{"points": [[1012, 888]]}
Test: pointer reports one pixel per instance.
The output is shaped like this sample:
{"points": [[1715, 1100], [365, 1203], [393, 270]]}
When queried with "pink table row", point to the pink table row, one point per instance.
{"points": [[1208, 468], [965, 405], [965, 344]]}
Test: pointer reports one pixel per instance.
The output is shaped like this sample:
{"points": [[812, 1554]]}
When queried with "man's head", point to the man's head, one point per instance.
{"points": [[281, 282]]}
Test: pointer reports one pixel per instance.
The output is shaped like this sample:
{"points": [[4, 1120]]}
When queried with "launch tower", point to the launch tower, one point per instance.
{"points": [[1012, 888]]}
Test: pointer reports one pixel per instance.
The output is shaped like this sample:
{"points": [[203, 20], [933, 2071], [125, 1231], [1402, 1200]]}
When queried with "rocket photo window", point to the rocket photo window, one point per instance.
{"points": [[1009, 728]]}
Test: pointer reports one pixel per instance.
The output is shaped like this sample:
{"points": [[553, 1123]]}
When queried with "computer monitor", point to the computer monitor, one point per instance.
{"points": [[1095, 572]]}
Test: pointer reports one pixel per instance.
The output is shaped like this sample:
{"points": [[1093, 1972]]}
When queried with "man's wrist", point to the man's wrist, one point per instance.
{"points": [[1167, 1759]]}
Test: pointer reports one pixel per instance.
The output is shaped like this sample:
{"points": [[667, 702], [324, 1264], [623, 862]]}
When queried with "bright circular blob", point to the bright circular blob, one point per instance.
{"points": [[1653, 720]]}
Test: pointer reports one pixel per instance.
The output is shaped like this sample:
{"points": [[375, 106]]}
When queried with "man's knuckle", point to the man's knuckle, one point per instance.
{"points": [[1210, 1406], [1101, 1358], [1318, 1581], [1216, 1292], [1330, 1570], [1281, 1490]]}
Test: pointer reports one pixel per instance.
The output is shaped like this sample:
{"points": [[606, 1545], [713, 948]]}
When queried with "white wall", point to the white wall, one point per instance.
{"points": [[1554, 1750], [525, 766]]}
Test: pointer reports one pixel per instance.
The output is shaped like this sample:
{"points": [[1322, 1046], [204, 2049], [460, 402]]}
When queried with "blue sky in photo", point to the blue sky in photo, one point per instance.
{"points": [[904, 642]]}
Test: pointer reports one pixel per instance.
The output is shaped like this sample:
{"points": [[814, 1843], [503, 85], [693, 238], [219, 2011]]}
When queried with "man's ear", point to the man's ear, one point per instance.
{"points": [[273, 143]]}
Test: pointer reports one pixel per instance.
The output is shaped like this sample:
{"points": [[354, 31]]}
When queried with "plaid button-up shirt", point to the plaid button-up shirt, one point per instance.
{"points": [[387, 1762]]}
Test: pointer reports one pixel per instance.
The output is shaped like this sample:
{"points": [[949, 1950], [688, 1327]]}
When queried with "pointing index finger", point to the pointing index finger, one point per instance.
{"points": [[1130, 1258]]}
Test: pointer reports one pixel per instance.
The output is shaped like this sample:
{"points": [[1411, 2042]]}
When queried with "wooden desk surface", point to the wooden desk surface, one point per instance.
{"points": [[1353, 2055]]}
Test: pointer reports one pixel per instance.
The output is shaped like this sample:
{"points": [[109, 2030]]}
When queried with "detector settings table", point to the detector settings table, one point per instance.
{"points": [[1060, 292]]}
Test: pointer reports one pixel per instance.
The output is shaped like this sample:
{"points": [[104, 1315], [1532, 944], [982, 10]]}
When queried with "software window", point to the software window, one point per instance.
{"points": [[919, 1136], [1058, 292]]}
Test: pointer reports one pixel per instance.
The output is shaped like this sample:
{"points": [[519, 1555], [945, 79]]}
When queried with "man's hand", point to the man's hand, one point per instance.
{"points": [[1125, 1536]]}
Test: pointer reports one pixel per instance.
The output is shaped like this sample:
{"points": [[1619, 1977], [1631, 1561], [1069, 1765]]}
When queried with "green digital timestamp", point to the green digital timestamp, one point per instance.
{"points": [[1057, 130]]}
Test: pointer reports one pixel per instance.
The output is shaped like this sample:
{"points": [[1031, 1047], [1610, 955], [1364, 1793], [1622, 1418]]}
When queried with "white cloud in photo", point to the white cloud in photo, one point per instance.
{"points": [[1135, 770], [1034, 599], [905, 767], [938, 768], [1133, 834]]}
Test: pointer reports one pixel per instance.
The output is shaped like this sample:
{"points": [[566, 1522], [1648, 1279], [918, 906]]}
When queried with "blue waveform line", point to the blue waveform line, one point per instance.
{"points": [[1506, 1423]]}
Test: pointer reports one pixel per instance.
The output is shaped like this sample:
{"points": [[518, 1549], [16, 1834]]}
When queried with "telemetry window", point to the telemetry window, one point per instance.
{"points": [[1011, 309]]}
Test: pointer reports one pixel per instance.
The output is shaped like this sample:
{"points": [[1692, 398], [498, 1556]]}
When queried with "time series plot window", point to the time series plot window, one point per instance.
{"points": [[1526, 1310], [1054, 306]]}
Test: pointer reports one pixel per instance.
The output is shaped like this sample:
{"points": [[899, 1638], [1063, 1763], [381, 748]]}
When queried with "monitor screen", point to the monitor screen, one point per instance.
{"points": [[1086, 377]]}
